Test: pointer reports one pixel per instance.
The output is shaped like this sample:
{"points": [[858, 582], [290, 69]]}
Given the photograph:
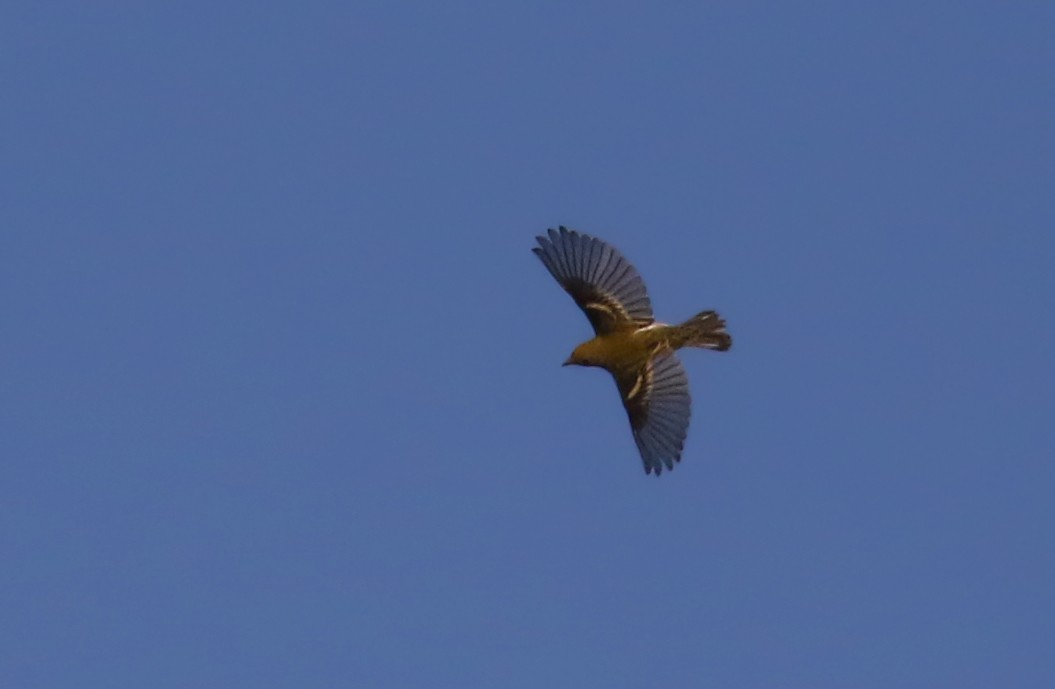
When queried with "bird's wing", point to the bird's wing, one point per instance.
{"points": [[603, 283], [657, 401]]}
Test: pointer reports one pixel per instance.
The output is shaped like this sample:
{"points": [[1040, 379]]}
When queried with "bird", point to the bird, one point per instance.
{"points": [[638, 351]]}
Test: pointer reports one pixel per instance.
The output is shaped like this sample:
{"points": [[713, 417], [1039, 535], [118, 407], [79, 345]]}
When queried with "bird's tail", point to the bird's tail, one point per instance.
{"points": [[706, 329]]}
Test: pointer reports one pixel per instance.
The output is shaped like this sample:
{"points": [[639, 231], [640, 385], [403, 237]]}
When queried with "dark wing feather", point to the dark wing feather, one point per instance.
{"points": [[600, 280], [658, 404]]}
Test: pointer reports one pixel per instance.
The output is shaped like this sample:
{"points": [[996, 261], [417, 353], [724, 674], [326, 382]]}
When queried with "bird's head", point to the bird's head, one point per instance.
{"points": [[585, 354]]}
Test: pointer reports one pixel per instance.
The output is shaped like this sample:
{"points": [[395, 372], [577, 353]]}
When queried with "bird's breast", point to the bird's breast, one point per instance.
{"points": [[629, 349]]}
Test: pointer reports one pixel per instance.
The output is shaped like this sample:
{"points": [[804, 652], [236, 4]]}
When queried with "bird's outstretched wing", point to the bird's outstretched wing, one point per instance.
{"points": [[658, 403], [600, 280]]}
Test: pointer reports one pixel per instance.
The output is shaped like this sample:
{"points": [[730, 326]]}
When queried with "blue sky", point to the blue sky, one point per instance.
{"points": [[280, 394]]}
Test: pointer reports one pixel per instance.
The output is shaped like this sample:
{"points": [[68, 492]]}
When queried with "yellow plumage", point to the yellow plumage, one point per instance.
{"points": [[629, 344]]}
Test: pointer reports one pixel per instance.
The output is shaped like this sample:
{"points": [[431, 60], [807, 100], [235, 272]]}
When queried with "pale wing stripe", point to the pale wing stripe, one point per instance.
{"points": [[583, 263], [662, 437]]}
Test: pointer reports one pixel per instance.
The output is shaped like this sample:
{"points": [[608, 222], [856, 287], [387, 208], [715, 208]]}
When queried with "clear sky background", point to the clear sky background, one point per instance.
{"points": [[281, 402]]}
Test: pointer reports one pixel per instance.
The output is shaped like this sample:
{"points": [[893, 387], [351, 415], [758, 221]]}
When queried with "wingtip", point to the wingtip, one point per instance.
{"points": [[657, 467], [562, 231]]}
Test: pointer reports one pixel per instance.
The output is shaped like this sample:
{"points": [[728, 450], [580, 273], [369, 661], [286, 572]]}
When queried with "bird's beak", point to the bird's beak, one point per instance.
{"points": [[569, 362]]}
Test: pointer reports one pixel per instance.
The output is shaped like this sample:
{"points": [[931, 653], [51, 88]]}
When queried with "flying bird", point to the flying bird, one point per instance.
{"points": [[629, 343]]}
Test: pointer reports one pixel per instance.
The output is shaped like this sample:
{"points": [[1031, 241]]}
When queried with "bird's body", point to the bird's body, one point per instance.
{"points": [[632, 348], [629, 343]]}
